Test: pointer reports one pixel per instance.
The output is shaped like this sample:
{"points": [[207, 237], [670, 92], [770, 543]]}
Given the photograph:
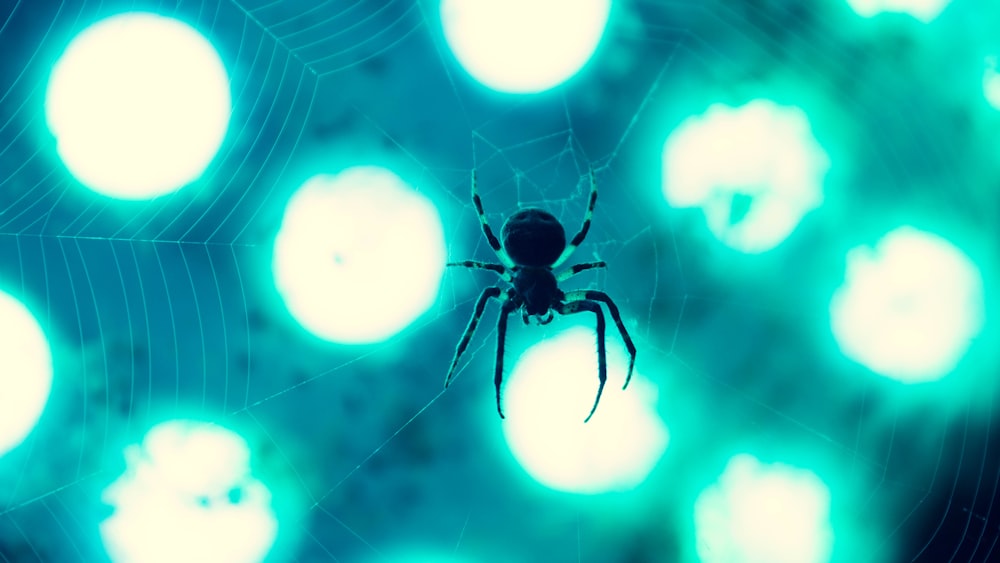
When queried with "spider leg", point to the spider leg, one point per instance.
{"points": [[566, 274], [500, 269], [616, 315], [495, 293], [490, 237], [575, 242], [505, 310], [580, 306]]}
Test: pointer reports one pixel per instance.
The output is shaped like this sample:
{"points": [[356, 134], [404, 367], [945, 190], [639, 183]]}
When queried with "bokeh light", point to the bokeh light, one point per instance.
{"points": [[359, 255], [761, 156], [763, 513], [909, 307], [25, 372], [991, 82], [547, 396], [523, 46], [138, 104], [186, 211], [922, 10], [187, 494]]}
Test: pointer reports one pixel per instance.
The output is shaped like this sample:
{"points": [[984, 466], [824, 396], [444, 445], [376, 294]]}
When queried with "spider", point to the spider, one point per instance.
{"points": [[532, 244]]}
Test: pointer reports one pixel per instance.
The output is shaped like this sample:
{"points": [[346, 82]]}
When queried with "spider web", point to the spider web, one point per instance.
{"points": [[165, 309]]}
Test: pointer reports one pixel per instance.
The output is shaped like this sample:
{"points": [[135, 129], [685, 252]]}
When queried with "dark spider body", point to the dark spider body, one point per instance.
{"points": [[537, 292], [534, 239], [532, 243]]}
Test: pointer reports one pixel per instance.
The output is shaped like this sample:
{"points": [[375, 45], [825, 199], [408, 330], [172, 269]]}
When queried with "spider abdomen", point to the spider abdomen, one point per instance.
{"points": [[538, 289], [533, 237]]}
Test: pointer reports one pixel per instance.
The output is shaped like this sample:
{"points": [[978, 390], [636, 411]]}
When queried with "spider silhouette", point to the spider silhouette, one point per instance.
{"points": [[533, 244]]}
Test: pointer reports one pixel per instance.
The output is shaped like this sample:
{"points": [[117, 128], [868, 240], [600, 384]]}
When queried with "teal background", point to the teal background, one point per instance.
{"points": [[165, 309]]}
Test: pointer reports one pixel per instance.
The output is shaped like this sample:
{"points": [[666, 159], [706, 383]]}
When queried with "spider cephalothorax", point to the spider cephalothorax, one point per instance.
{"points": [[538, 291], [533, 243]]}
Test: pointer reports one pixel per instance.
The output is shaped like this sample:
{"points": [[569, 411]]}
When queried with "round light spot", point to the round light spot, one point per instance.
{"points": [[757, 513], [922, 10], [991, 82], [755, 171], [25, 372], [359, 256], [187, 495], [139, 105], [908, 308], [548, 395], [523, 46]]}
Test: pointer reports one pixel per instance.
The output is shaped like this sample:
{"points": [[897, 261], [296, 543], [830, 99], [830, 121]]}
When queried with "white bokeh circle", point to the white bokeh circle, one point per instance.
{"points": [[139, 105], [359, 255], [523, 46], [25, 372], [548, 395]]}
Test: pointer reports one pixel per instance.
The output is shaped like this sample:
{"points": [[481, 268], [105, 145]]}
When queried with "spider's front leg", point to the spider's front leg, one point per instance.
{"points": [[582, 234], [566, 274], [580, 306], [491, 238], [487, 294], [505, 311], [617, 317]]}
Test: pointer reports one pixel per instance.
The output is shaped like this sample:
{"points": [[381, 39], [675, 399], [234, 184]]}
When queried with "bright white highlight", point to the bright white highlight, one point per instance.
{"points": [[187, 495], [761, 151], [25, 372], [991, 82], [922, 10], [909, 307], [139, 105], [359, 256], [758, 513], [548, 395], [523, 46]]}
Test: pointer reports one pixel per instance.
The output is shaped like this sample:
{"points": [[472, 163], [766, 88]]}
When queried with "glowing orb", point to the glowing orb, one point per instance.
{"points": [[909, 307], [138, 104], [991, 82], [758, 513], [549, 394], [187, 495], [359, 256], [761, 155], [25, 372], [523, 46], [923, 10]]}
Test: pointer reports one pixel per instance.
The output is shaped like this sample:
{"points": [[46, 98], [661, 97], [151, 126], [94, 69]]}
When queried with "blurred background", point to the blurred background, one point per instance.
{"points": [[226, 316]]}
